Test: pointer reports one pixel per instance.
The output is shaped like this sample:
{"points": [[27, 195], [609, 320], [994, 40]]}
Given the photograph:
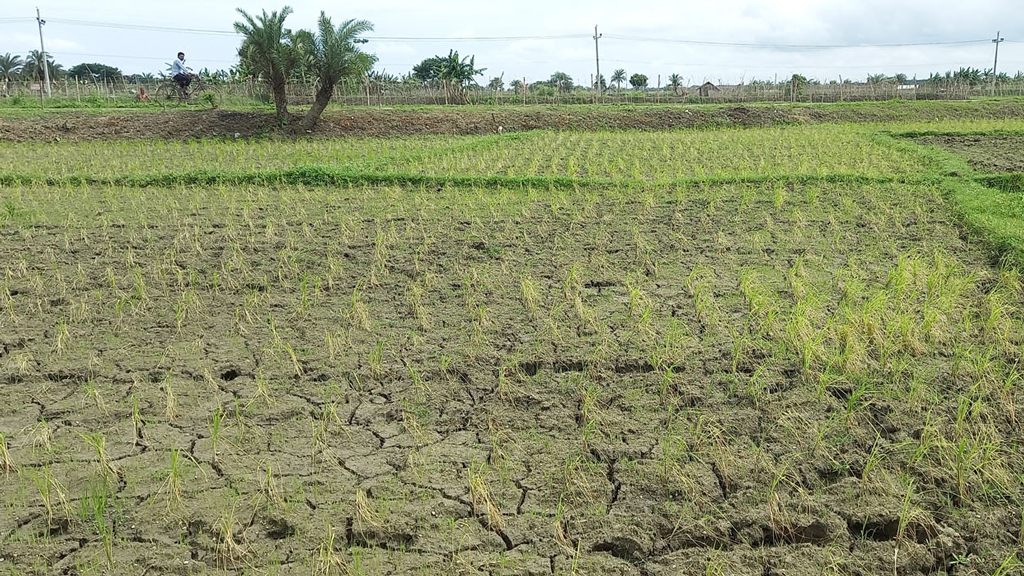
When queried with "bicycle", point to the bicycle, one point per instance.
{"points": [[170, 89]]}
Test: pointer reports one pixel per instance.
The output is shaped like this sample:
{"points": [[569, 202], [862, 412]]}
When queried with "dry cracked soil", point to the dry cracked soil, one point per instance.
{"points": [[728, 379]]}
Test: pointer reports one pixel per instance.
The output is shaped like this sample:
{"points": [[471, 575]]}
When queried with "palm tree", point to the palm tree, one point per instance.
{"points": [[268, 50], [618, 77], [33, 67], [333, 56], [562, 82], [675, 82], [10, 66]]}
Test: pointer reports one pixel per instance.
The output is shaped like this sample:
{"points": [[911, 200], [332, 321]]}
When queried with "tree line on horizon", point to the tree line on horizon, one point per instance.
{"points": [[276, 55], [463, 72]]}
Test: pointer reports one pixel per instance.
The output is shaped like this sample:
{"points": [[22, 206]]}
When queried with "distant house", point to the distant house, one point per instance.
{"points": [[708, 89]]}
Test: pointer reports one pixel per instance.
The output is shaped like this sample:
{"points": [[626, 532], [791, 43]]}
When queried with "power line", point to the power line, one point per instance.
{"points": [[771, 65], [143, 27], [148, 28], [163, 58], [478, 38], [789, 46], [626, 37]]}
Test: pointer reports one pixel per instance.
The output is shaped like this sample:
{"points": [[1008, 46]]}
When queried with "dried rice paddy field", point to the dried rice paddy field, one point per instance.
{"points": [[766, 351]]}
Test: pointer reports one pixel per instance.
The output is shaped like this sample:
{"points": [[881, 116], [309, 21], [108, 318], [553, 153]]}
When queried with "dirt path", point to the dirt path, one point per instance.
{"points": [[186, 124]]}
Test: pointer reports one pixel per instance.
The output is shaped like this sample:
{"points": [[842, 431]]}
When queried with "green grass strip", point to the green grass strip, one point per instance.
{"points": [[912, 134], [991, 213], [335, 176], [1012, 182], [937, 159]]}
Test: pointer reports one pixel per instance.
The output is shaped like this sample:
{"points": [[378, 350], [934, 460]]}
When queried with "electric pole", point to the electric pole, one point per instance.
{"points": [[995, 63], [597, 59], [42, 50]]}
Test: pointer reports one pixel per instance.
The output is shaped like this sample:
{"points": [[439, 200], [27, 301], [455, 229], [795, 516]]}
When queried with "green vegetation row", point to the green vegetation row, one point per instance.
{"points": [[1012, 182], [331, 176], [987, 210], [660, 156]]}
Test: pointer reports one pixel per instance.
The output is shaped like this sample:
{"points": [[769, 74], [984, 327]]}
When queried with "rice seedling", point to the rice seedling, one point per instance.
{"points": [[53, 495], [110, 475], [215, 425], [358, 314], [42, 436], [137, 422], [262, 393], [229, 550], [480, 495], [529, 295], [6, 463], [61, 337], [92, 392], [367, 517], [327, 562], [375, 360], [321, 427], [175, 478]]}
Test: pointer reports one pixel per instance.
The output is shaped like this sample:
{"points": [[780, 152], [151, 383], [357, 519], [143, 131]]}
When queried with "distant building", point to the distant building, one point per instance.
{"points": [[708, 89]]}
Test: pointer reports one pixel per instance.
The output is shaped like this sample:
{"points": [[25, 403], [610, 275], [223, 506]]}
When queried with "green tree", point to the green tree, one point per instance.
{"points": [[516, 86], [675, 82], [451, 72], [618, 77], [496, 84], [876, 78], [561, 82], [333, 57], [33, 67], [10, 66], [94, 72], [796, 85], [638, 81], [456, 73], [428, 70], [268, 51]]}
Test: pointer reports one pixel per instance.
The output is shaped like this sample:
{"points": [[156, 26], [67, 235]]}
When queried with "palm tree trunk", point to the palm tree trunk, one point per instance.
{"points": [[277, 85], [323, 98]]}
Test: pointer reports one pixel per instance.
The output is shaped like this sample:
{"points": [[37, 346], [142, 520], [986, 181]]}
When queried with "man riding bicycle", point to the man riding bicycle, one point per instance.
{"points": [[182, 74]]}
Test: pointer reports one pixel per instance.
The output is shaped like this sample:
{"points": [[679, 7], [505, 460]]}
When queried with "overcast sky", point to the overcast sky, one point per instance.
{"points": [[763, 22]]}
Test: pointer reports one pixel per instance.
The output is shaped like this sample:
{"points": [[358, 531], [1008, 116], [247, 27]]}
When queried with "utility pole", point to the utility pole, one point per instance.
{"points": [[597, 59], [995, 64], [42, 49]]}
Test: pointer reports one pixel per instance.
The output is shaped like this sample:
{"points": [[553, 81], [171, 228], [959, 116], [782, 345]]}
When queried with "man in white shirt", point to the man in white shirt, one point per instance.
{"points": [[182, 74]]}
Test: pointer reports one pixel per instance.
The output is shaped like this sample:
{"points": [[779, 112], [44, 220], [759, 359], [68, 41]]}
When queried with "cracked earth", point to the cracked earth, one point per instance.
{"points": [[408, 381]]}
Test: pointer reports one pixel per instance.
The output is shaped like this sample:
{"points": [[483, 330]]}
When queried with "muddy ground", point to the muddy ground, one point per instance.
{"points": [[186, 124], [752, 380], [986, 153]]}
